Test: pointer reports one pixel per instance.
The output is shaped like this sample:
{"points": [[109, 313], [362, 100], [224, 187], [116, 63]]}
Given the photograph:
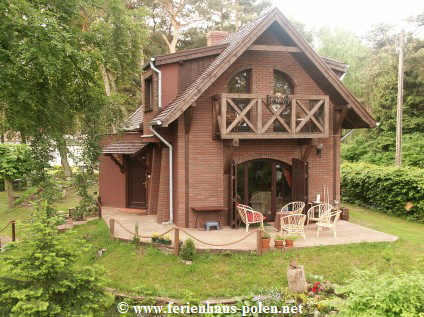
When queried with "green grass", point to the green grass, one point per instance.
{"points": [[20, 214], [148, 271]]}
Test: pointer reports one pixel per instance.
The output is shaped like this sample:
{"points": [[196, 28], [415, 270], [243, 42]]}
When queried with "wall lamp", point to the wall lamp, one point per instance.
{"points": [[319, 149]]}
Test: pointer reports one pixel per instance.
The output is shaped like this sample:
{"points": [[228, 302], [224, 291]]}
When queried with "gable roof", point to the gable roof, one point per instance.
{"points": [[237, 44], [135, 121]]}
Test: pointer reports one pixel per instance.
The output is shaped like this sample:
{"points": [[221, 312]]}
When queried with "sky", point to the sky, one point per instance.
{"points": [[357, 16]]}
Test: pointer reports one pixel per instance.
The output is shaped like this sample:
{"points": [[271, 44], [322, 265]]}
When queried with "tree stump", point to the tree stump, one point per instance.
{"points": [[296, 278]]}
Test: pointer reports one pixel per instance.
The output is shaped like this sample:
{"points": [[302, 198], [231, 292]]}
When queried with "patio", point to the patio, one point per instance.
{"points": [[347, 232]]}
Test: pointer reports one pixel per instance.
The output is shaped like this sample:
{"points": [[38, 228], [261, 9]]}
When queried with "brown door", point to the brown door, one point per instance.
{"points": [[300, 181], [136, 184]]}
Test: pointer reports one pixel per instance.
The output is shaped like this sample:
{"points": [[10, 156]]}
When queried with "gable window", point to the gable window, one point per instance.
{"points": [[282, 83], [148, 93], [239, 84]]}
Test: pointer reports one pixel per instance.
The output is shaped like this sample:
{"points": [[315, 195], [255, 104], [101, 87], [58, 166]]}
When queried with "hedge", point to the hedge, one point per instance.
{"points": [[393, 190]]}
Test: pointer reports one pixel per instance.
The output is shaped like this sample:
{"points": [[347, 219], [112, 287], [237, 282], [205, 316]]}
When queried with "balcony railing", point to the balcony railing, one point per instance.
{"points": [[254, 116]]}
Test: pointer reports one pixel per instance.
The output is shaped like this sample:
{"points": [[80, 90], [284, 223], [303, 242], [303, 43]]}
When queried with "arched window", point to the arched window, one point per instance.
{"points": [[240, 83], [282, 83]]}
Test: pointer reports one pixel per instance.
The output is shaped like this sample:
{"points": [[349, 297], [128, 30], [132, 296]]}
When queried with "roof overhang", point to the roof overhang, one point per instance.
{"points": [[124, 147]]}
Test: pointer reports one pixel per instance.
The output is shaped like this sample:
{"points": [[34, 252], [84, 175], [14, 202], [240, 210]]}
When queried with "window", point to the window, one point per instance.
{"points": [[240, 83], [282, 83], [148, 93]]}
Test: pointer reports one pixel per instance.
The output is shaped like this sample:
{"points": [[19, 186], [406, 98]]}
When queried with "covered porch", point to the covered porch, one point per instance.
{"points": [[347, 233]]}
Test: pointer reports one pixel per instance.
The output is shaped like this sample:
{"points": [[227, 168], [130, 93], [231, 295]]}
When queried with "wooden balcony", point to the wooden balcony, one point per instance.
{"points": [[256, 116]]}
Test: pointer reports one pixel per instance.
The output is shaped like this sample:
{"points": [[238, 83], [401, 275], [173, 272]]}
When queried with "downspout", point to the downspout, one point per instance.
{"points": [[171, 197], [157, 71]]}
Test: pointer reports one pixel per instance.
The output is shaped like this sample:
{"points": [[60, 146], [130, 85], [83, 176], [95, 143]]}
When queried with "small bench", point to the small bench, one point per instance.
{"points": [[209, 209]]}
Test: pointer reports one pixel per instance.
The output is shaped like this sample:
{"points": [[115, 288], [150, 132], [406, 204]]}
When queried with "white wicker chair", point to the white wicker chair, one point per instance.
{"points": [[320, 209], [293, 224], [249, 216], [295, 207], [328, 220]]}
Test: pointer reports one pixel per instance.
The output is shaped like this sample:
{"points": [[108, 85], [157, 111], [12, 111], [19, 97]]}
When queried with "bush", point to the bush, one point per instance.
{"points": [[41, 275], [384, 295], [188, 251], [393, 190]]}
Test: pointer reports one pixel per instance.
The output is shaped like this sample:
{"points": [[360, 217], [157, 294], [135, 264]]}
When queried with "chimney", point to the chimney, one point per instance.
{"points": [[213, 37]]}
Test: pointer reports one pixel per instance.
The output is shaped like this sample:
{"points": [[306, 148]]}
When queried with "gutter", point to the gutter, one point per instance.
{"points": [[171, 197], [157, 71]]}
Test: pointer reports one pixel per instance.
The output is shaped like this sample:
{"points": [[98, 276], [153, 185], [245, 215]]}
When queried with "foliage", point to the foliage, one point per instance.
{"points": [[40, 275], [188, 251], [278, 238], [393, 190], [291, 238], [265, 235], [385, 295], [15, 161]]}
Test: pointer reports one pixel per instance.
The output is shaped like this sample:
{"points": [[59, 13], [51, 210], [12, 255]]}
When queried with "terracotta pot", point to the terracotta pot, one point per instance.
{"points": [[265, 244], [289, 243], [279, 244]]}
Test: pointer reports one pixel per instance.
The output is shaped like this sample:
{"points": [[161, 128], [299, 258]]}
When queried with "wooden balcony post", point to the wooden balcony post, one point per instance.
{"points": [[259, 125], [223, 115], [293, 116]]}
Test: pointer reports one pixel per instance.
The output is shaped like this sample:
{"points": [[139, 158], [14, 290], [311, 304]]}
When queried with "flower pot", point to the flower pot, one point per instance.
{"points": [[279, 244], [155, 239], [265, 244], [289, 243], [160, 240], [167, 242]]}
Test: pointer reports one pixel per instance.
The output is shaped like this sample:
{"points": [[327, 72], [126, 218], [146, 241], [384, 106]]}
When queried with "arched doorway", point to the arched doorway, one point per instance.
{"points": [[264, 184]]}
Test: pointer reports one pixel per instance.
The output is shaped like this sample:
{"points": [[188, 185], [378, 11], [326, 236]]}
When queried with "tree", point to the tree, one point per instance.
{"points": [[15, 162], [41, 275], [180, 21]]}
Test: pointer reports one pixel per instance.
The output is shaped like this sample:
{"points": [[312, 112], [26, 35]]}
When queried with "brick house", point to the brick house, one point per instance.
{"points": [[254, 117]]}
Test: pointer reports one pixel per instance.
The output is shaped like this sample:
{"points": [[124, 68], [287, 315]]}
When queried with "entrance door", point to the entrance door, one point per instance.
{"points": [[136, 184], [265, 185]]}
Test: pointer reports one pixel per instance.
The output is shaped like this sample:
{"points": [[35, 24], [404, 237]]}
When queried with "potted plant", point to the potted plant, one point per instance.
{"points": [[289, 240], [266, 239], [155, 237], [279, 242], [166, 240]]}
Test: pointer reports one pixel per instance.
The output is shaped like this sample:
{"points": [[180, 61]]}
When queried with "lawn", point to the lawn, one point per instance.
{"points": [[20, 214], [148, 271]]}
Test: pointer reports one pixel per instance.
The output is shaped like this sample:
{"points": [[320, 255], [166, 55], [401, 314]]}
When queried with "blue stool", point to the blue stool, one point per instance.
{"points": [[211, 224]]}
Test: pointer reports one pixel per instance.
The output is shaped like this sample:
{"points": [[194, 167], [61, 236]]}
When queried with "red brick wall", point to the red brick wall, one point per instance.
{"points": [[206, 156], [112, 183]]}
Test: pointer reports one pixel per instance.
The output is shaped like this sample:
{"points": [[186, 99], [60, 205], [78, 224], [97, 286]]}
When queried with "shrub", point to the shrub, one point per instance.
{"points": [[188, 251], [385, 295], [41, 274], [393, 190]]}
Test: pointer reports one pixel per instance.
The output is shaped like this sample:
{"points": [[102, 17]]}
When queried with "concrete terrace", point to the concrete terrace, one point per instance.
{"points": [[347, 232]]}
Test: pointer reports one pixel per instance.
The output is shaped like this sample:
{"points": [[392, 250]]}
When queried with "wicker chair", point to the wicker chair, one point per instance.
{"points": [[249, 216], [320, 209], [293, 224], [329, 220], [295, 207]]}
